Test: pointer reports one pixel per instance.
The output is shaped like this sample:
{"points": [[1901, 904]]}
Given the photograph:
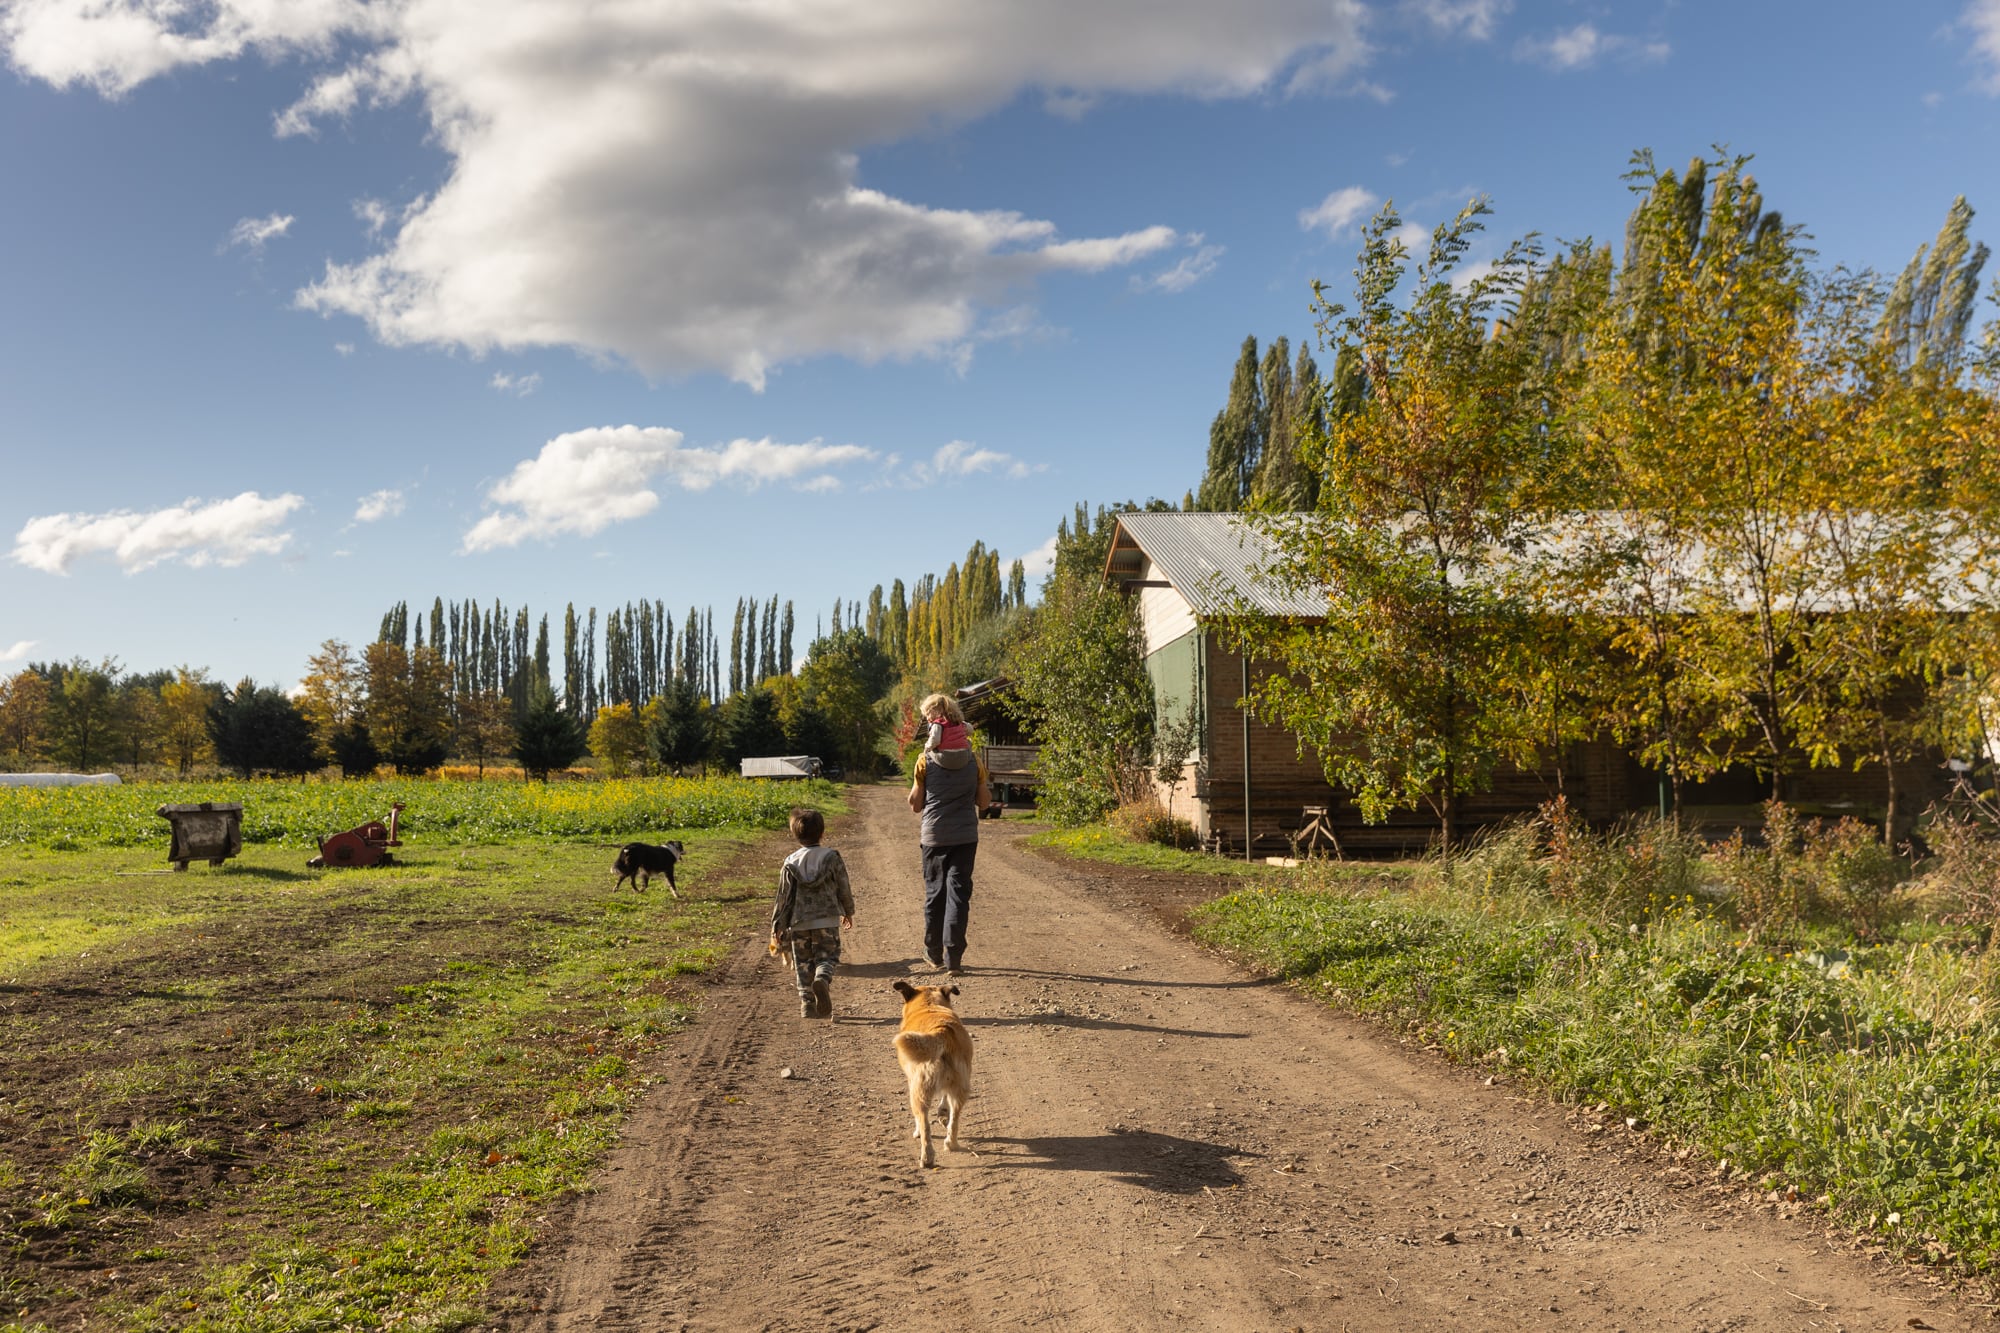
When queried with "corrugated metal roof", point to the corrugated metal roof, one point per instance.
{"points": [[1215, 561]]}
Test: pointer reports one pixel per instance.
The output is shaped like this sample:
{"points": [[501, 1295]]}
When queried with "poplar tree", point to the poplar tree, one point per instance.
{"points": [[1929, 310], [690, 670], [1235, 438], [572, 690], [1283, 480], [736, 651]]}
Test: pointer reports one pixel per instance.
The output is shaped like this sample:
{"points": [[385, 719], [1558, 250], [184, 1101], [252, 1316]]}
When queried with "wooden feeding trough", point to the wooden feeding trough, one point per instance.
{"points": [[364, 845], [206, 832]]}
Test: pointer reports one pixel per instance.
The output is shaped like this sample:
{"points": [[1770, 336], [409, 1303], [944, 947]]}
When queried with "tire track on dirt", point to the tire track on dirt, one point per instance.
{"points": [[1160, 1141]]}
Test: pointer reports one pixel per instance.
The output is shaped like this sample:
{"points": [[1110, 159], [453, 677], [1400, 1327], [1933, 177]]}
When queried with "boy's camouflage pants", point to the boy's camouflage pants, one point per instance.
{"points": [[814, 952]]}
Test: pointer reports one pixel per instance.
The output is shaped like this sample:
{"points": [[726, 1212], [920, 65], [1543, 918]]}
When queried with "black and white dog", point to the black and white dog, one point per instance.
{"points": [[640, 861]]}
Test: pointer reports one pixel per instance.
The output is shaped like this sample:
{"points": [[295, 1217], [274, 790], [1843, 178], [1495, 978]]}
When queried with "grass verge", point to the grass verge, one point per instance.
{"points": [[1098, 842], [253, 1098], [1868, 1079]]}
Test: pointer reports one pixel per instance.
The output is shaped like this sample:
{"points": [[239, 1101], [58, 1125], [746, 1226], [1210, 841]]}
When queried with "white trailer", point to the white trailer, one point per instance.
{"points": [[790, 766]]}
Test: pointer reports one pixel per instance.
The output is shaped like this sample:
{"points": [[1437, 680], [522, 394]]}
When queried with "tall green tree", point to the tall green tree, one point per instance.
{"points": [[259, 729], [548, 739], [1407, 688], [844, 678], [1081, 690], [747, 725], [408, 712], [1297, 414], [1235, 438], [1929, 310], [681, 728], [83, 715]]}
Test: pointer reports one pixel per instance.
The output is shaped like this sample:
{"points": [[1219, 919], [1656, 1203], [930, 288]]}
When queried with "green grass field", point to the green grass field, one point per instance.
{"points": [[262, 1097], [1866, 1078]]}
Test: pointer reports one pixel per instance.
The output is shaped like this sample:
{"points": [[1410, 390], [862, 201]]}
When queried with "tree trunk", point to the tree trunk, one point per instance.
{"points": [[1889, 774]]}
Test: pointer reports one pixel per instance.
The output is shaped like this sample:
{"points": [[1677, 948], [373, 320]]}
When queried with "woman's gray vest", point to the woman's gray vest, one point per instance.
{"points": [[951, 798]]}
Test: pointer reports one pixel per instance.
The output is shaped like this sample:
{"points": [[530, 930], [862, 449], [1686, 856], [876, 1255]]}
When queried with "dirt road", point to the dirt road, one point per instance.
{"points": [[1162, 1141]]}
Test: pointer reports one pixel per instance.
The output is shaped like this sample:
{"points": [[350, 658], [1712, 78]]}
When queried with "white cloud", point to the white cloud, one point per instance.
{"points": [[1038, 562], [378, 505], [1582, 46], [1185, 272], [518, 385], [1473, 19], [1416, 238], [1462, 279], [1982, 17], [961, 458], [18, 650], [374, 213], [116, 45], [1340, 210], [345, 349], [584, 481], [220, 532], [251, 233], [679, 185]]}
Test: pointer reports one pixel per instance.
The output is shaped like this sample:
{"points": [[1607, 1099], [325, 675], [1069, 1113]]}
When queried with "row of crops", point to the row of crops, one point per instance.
{"points": [[298, 813]]}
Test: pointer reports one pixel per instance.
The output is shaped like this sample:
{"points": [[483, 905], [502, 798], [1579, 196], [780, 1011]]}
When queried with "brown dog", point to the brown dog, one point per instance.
{"points": [[935, 1051]]}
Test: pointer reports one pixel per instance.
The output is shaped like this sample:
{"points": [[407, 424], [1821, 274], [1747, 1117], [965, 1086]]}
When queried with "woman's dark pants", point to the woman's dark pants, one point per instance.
{"points": [[947, 900]]}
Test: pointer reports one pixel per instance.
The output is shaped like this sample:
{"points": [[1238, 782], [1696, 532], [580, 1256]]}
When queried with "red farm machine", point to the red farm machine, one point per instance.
{"points": [[365, 845]]}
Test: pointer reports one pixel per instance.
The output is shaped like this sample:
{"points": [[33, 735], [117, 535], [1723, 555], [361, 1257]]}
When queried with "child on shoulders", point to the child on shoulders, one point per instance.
{"points": [[946, 729]]}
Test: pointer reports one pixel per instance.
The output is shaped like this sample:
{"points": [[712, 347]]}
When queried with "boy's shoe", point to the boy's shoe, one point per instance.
{"points": [[808, 1007], [932, 959], [955, 966], [822, 1000]]}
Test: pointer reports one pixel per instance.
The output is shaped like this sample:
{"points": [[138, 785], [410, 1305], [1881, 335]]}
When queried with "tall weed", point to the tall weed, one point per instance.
{"points": [[1144, 819], [1808, 870], [1964, 872], [1632, 873]]}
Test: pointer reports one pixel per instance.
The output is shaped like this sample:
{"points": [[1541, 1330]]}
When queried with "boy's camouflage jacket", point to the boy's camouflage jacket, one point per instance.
{"points": [[812, 891]]}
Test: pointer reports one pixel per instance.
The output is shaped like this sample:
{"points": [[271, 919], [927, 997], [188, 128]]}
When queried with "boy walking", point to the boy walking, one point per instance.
{"points": [[814, 902]]}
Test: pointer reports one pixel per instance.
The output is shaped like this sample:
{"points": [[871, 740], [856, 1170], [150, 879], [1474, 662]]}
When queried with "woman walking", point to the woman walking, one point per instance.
{"points": [[948, 791]]}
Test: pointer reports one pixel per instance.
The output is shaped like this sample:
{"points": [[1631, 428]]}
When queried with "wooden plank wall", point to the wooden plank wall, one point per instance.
{"points": [[1601, 781]]}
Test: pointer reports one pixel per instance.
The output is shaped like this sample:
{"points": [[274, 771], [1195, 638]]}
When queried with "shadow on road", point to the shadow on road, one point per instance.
{"points": [[1089, 1024], [895, 967], [1139, 1157], [1128, 979]]}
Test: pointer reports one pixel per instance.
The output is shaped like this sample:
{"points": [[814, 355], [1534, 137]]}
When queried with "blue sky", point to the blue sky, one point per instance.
{"points": [[312, 306]]}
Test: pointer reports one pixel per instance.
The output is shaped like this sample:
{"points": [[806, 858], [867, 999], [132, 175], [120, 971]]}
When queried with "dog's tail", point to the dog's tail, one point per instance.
{"points": [[924, 1053]]}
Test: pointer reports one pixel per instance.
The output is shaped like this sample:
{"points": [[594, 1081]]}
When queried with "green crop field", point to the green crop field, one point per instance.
{"points": [[297, 813]]}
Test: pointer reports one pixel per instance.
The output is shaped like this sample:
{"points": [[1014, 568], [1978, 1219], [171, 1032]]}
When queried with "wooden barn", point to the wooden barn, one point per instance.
{"points": [[1249, 783]]}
